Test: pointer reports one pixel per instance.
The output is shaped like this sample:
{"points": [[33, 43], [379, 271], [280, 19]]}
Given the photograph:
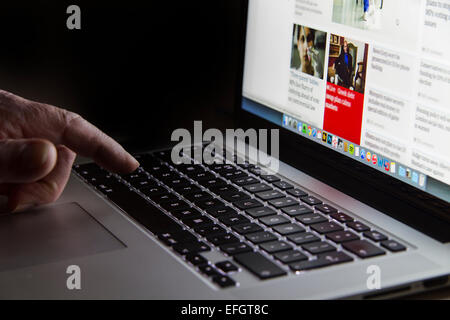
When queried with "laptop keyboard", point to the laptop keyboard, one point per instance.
{"points": [[260, 222]]}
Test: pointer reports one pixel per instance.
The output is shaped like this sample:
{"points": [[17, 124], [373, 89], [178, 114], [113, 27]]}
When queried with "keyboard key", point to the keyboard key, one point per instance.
{"points": [[213, 183], [196, 259], [201, 177], [233, 219], [393, 245], [153, 191], [234, 196], [175, 205], [245, 181], [143, 183], [220, 211], [220, 239], [375, 236], [312, 201], [161, 198], [197, 221], [191, 247], [297, 193], [257, 187], [157, 169], [257, 171], [190, 169], [323, 260], [269, 195], [312, 218], [248, 204], [211, 203], [358, 226], [187, 189], [290, 256], [209, 230], [260, 237], [177, 183], [144, 212], [227, 266], [283, 185], [245, 164], [198, 196], [235, 248], [326, 227], [259, 265], [235, 174], [341, 217], [223, 281], [324, 208], [208, 270], [342, 236], [224, 168], [273, 220], [216, 166], [163, 172], [318, 247], [283, 202], [270, 178], [167, 176], [363, 249], [289, 228], [224, 189], [246, 228], [296, 210], [260, 212], [275, 246], [302, 238], [174, 238]]}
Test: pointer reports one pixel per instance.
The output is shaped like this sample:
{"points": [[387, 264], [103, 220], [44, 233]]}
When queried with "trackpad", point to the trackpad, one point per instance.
{"points": [[51, 234]]}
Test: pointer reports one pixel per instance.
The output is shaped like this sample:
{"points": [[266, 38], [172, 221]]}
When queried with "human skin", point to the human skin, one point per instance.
{"points": [[302, 45], [38, 145]]}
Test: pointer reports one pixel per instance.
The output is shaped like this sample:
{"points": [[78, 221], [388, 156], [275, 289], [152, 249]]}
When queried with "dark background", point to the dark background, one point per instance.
{"points": [[140, 69], [137, 69]]}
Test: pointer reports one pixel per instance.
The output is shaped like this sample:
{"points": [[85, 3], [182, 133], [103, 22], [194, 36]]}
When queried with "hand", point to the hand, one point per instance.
{"points": [[38, 145]]}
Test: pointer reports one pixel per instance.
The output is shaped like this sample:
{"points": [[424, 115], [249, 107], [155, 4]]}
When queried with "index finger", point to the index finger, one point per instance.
{"points": [[39, 120], [87, 140]]}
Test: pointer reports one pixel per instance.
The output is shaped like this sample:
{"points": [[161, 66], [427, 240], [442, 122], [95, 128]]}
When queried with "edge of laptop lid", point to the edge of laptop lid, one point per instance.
{"points": [[410, 205]]}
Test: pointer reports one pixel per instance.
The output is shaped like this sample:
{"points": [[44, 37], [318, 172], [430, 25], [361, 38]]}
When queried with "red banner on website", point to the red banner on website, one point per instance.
{"points": [[343, 112]]}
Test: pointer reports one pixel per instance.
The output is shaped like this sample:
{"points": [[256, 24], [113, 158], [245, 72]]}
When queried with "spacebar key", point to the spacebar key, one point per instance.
{"points": [[259, 265], [144, 212]]}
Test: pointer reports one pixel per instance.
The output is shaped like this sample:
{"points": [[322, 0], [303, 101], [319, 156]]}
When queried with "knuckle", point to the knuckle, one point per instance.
{"points": [[68, 117], [7, 98]]}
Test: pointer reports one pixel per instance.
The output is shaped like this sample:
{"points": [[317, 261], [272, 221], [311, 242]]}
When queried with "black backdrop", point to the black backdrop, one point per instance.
{"points": [[137, 69]]}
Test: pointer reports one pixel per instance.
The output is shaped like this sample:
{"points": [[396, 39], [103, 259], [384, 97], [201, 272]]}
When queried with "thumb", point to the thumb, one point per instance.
{"points": [[25, 161]]}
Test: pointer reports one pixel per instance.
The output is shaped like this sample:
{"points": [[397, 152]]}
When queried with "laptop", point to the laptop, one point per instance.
{"points": [[356, 207]]}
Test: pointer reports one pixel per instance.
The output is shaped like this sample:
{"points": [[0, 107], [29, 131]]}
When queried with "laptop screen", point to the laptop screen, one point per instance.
{"points": [[368, 79]]}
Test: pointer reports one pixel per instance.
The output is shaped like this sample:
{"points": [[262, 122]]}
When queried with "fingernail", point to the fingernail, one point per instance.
{"points": [[35, 155], [137, 164]]}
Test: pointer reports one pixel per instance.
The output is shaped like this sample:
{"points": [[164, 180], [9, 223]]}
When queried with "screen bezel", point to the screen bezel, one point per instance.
{"points": [[385, 193]]}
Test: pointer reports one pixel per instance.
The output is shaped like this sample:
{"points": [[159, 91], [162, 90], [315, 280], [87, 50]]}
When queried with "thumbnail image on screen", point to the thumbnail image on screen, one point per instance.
{"points": [[346, 80], [308, 51]]}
